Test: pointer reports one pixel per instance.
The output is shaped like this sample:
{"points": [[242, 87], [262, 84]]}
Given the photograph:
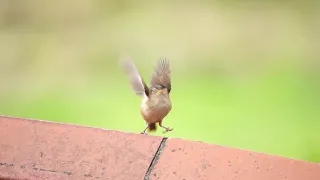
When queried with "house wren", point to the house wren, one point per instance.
{"points": [[156, 102]]}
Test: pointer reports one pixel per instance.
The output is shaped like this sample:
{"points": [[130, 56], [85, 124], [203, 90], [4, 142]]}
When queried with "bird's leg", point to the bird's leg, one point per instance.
{"points": [[166, 128], [144, 131]]}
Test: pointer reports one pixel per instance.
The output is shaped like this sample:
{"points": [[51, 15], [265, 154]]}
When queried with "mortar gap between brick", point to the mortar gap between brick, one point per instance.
{"points": [[156, 157]]}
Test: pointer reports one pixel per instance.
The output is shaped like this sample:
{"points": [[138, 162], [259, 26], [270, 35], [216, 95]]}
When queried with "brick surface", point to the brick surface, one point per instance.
{"points": [[32, 149], [188, 160]]}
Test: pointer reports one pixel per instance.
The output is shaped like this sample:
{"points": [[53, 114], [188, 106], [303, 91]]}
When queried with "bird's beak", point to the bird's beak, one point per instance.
{"points": [[161, 91]]}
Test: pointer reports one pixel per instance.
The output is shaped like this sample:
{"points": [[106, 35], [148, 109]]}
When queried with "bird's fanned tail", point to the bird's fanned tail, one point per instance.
{"points": [[152, 127]]}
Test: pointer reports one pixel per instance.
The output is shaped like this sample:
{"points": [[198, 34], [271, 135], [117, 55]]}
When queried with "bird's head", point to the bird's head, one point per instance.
{"points": [[159, 90]]}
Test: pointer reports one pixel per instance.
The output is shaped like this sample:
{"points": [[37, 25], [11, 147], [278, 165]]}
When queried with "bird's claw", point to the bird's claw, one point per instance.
{"points": [[166, 130]]}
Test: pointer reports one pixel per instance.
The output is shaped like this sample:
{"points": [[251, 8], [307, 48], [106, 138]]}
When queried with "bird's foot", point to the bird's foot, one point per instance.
{"points": [[167, 129], [144, 133]]}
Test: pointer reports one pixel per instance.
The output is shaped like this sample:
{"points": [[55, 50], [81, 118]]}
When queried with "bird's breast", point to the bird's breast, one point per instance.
{"points": [[155, 109]]}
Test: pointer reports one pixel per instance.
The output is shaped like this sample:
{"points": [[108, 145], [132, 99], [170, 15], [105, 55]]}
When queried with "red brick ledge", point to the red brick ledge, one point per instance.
{"points": [[33, 149]]}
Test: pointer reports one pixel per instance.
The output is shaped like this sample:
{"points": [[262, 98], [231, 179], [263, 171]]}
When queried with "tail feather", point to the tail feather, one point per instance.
{"points": [[152, 127]]}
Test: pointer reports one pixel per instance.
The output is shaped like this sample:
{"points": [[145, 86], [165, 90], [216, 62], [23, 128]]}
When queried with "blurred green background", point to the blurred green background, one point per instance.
{"points": [[245, 74]]}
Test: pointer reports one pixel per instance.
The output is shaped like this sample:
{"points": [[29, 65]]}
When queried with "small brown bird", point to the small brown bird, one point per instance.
{"points": [[156, 102]]}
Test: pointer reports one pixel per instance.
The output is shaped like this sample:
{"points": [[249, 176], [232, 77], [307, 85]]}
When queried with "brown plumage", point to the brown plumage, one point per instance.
{"points": [[156, 102]]}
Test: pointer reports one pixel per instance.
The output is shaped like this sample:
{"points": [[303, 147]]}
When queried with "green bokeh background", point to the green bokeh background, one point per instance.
{"points": [[245, 74]]}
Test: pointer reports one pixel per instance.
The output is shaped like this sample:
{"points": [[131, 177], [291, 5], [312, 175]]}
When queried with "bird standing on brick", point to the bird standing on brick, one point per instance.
{"points": [[156, 102]]}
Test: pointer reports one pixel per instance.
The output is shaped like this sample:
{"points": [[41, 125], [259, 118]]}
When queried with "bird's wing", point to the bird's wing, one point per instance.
{"points": [[162, 75], [137, 83]]}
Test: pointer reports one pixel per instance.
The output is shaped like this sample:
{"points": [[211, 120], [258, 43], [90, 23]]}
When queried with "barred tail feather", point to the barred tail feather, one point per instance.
{"points": [[152, 127]]}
